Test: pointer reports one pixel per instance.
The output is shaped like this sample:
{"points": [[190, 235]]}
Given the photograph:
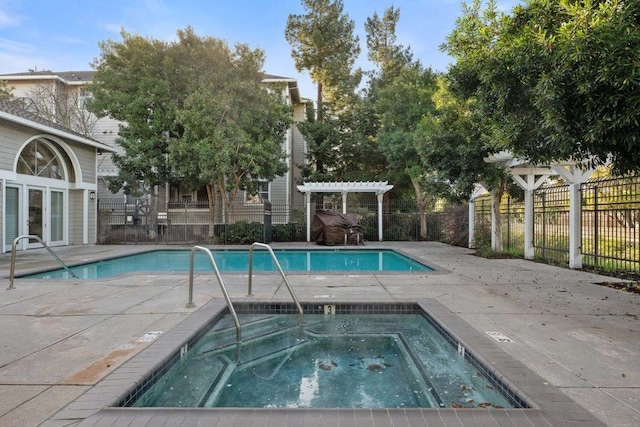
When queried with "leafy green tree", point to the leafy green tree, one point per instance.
{"points": [[559, 80], [362, 158], [323, 43], [192, 111], [131, 85], [234, 129], [382, 46], [400, 92], [478, 123], [450, 140], [584, 80], [401, 104]]}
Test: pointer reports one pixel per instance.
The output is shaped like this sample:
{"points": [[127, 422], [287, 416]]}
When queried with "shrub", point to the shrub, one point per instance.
{"points": [[241, 233]]}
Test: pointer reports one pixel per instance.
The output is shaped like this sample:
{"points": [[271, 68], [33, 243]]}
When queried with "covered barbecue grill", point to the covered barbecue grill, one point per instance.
{"points": [[330, 227]]}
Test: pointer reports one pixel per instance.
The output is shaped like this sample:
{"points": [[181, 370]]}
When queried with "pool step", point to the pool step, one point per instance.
{"points": [[225, 336]]}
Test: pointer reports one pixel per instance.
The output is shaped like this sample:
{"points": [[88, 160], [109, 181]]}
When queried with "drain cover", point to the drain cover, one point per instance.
{"points": [[499, 336]]}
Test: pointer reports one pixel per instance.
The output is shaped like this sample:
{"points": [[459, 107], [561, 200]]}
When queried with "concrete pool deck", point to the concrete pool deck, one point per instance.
{"points": [[60, 338]]}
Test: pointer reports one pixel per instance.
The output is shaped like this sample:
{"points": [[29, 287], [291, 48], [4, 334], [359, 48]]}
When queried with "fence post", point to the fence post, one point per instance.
{"points": [[595, 224], [544, 224], [472, 223], [508, 222], [266, 225], [185, 201]]}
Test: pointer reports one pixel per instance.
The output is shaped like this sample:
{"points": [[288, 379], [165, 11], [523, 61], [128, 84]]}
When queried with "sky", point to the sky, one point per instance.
{"points": [[64, 35]]}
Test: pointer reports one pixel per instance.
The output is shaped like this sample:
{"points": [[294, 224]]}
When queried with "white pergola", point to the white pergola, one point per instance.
{"points": [[378, 187], [529, 177]]}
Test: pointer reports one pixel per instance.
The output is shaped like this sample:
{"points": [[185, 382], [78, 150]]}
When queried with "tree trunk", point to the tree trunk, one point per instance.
{"points": [[497, 194], [319, 106], [423, 204], [211, 194]]}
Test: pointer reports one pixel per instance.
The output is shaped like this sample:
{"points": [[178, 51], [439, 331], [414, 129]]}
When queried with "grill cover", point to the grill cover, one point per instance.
{"points": [[329, 227]]}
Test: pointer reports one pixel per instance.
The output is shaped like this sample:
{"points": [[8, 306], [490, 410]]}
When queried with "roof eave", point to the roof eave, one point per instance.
{"points": [[57, 132]]}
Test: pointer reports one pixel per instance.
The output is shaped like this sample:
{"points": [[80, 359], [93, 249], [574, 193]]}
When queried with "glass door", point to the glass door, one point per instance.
{"points": [[11, 216], [56, 218], [35, 220]]}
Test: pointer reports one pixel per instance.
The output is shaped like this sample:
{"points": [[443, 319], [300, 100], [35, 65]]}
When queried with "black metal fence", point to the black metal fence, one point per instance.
{"points": [[610, 221], [141, 221]]}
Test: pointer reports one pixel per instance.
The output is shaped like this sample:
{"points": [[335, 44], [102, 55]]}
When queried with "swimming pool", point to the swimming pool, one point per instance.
{"points": [[291, 260], [372, 360]]}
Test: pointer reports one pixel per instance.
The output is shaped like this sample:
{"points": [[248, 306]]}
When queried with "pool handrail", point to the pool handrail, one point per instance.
{"points": [[191, 304], [284, 277], [12, 267]]}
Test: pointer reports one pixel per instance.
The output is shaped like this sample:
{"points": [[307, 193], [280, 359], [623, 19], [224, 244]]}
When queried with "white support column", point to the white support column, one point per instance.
{"points": [[472, 223], [575, 226], [344, 201], [494, 226], [88, 204], [308, 200], [380, 197], [526, 179], [575, 177], [529, 251]]}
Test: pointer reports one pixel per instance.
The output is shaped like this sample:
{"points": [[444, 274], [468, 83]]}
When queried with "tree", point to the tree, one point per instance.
{"points": [[60, 104], [473, 44], [234, 128], [400, 91], [192, 111], [450, 140], [582, 77], [134, 83], [401, 104], [323, 43], [5, 91], [382, 47]]}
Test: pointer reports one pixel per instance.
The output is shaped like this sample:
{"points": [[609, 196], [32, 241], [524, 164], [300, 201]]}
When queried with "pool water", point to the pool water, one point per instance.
{"points": [[291, 261], [339, 361]]}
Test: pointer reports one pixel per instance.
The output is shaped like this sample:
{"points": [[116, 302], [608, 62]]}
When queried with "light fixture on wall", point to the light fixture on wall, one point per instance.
{"points": [[92, 195]]}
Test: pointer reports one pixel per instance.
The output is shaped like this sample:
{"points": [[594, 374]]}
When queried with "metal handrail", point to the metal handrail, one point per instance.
{"points": [[191, 304], [284, 277], [12, 268]]}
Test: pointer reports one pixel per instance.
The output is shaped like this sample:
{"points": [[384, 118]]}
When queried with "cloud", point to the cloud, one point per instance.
{"points": [[70, 40], [157, 7], [13, 46], [114, 28], [8, 20], [15, 63]]}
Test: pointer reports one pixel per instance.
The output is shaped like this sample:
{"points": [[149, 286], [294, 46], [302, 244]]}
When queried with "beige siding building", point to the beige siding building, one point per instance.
{"points": [[47, 180], [70, 89]]}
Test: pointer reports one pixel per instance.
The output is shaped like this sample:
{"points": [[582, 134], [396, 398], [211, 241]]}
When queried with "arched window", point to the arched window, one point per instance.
{"points": [[39, 158]]}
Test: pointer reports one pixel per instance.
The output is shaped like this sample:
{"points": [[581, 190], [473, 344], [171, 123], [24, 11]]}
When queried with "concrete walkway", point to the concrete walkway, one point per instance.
{"points": [[59, 338]]}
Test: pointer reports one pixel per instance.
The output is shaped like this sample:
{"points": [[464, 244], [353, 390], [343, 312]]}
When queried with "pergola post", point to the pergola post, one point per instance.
{"points": [[344, 201], [529, 179], [380, 197], [575, 226], [575, 177], [308, 200]]}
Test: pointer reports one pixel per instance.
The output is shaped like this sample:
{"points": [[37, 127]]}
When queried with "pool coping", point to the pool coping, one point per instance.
{"points": [[548, 405]]}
